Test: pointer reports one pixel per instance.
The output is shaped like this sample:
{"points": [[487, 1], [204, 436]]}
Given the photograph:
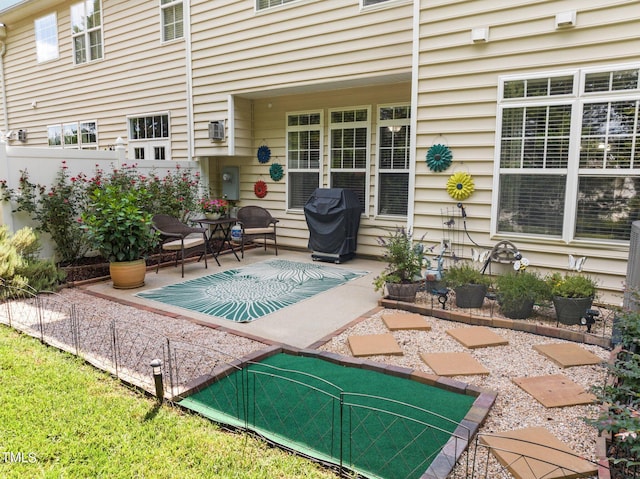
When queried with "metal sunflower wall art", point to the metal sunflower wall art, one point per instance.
{"points": [[460, 186], [264, 154], [276, 172], [260, 189], [439, 158]]}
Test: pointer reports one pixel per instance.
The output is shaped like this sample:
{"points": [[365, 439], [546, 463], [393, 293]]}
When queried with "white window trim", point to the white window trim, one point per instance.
{"points": [[577, 100], [86, 35], [149, 143], [367, 168], [161, 11], [381, 5], [276, 7], [378, 124], [321, 127], [57, 52]]}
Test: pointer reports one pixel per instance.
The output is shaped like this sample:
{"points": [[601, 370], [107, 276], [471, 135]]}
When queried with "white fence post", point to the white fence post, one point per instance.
{"points": [[6, 217]]}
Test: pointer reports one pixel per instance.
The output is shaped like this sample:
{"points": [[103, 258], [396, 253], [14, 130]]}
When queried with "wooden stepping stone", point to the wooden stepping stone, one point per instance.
{"points": [[555, 390], [454, 364], [405, 321], [567, 355], [476, 337], [534, 452], [374, 344]]}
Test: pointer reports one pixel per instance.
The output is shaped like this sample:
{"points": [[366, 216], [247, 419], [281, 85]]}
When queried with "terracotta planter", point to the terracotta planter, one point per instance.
{"points": [[403, 291], [570, 310], [470, 295], [128, 274]]}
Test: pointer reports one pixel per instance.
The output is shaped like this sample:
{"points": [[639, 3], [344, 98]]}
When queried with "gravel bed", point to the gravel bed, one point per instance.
{"points": [[514, 408]]}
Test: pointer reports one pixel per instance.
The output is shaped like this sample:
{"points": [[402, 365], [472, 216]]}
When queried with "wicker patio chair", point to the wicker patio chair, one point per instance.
{"points": [[258, 226], [181, 239]]}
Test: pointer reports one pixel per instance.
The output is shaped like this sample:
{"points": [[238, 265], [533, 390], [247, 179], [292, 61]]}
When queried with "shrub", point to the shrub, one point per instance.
{"points": [[20, 268], [55, 210], [405, 259], [572, 286], [463, 274]]}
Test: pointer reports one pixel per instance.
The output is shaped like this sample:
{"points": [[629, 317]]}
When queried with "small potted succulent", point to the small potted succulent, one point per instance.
{"points": [[572, 295], [213, 208], [518, 291], [405, 259], [469, 284]]}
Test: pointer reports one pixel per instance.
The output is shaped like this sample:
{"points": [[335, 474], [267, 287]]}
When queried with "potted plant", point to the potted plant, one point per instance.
{"points": [[405, 259], [518, 291], [469, 284], [572, 295], [121, 231], [213, 209]]}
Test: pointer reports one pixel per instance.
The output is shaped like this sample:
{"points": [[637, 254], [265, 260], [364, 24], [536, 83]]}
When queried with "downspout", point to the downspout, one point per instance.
{"points": [[415, 78], [3, 50], [189, 72]]}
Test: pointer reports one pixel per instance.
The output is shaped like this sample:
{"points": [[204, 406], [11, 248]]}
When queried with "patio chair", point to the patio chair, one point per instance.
{"points": [[181, 239], [258, 226]]}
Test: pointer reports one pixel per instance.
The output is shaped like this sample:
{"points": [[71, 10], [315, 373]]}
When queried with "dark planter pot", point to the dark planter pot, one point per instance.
{"points": [[470, 295], [570, 310], [521, 310], [403, 291]]}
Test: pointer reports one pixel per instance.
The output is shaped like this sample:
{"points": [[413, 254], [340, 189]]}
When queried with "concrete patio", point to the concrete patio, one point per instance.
{"points": [[299, 325]]}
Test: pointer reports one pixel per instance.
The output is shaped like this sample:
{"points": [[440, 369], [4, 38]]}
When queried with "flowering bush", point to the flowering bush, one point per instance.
{"points": [[59, 209], [208, 205], [55, 210]]}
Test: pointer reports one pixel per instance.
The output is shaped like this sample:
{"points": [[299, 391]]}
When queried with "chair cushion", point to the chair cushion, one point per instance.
{"points": [[188, 243], [258, 231]]}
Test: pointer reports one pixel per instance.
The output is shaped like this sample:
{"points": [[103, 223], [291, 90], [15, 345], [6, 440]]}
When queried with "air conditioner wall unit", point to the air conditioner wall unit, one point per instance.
{"points": [[216, 130], [632, 290]]}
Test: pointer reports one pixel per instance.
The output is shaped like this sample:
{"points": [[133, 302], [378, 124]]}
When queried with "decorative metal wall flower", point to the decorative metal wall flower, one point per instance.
{"points": [[460, 186], [264, 154], [276, 172], [260, 189], [439, 157]]}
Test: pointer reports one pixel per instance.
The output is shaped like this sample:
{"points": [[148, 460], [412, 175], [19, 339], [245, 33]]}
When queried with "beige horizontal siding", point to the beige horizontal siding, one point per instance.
{"points": [[301, 45], [137, 75], [457, 91]]}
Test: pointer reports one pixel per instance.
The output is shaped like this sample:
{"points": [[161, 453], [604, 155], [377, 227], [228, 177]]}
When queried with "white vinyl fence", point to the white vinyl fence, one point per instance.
{"points": [[43, 164]]}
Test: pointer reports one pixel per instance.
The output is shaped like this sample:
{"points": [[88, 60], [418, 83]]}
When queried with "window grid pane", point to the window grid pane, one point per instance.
{"points": [[303, 157], [532, 204], [535, 137], [609, 135], [86, 30], [607, 207]]}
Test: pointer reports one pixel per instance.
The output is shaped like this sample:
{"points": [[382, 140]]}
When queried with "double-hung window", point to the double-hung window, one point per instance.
{"points": [[304, 154], [172, 19], [349, 150], [569, 155], [86, 31], [46, 32], [393, 159], [149, 137]]}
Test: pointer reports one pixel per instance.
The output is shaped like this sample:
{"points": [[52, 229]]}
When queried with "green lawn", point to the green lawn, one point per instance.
{"points": [[60, 417]]}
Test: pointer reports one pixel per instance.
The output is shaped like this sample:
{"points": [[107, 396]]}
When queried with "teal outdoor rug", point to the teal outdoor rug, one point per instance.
{"points": [[248, 293]]}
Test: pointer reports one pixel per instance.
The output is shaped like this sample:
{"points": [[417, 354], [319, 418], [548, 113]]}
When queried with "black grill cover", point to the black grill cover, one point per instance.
{"points": [[333, 218]]}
